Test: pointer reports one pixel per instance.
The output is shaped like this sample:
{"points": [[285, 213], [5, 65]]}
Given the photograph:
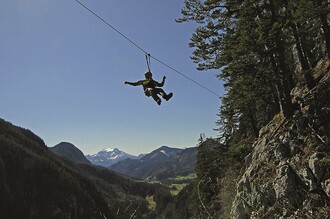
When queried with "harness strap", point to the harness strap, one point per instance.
{"points": [[148, 61]]}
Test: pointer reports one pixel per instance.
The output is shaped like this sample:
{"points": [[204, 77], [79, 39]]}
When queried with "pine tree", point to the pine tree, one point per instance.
{"points": [[252, 42], [262, 49]]}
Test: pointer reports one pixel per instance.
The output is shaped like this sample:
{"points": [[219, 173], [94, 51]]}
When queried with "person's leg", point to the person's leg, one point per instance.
{"points": [[169, 96], [154, 95], [163, 94]]}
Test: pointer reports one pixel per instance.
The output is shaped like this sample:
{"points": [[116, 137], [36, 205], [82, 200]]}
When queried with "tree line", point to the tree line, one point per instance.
{"points": [[263, 49]]}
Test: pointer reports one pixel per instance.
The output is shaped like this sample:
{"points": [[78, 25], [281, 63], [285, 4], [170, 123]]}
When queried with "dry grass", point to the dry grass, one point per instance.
{"points": [[151, 203]]}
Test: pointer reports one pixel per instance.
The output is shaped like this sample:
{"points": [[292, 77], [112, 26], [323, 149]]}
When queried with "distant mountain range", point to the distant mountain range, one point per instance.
{"points": [[109, 156], [161, 163], [35, 182]]}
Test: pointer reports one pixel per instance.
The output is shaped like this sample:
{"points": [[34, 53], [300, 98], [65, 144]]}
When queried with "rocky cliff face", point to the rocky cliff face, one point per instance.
{"points": [[287, 174]]}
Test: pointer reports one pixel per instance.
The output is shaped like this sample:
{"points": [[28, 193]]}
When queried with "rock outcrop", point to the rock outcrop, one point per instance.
{"points": [[287, 174]]}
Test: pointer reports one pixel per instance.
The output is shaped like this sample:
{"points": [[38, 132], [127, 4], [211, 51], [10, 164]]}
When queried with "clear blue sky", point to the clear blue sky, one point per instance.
{"points": [[63, 72]]}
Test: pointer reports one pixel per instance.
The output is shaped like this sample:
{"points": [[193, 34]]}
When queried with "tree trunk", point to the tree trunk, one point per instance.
{"points": [[279, 88], [285, 77], [324, 23], [253, 122], [326, 30], [305, 65], [299, 45]]}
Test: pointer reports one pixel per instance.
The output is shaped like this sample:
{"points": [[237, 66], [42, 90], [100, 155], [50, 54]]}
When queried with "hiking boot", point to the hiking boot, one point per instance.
{"points": [[159, 101], [167, 97]]}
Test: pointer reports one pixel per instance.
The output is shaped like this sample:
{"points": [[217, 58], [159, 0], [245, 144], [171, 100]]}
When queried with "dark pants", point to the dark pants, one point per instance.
{"points": [[154, 93]]}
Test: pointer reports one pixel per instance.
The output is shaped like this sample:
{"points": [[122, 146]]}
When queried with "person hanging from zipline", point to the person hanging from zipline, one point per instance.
{"points": [[152, 87]]}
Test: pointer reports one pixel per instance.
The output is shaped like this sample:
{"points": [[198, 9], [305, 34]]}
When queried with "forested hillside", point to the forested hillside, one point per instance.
{"points": [[35, 183], [272, 156], [69, 151]]}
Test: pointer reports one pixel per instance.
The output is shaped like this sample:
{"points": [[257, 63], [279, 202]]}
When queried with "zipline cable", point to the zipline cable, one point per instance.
{"points": [[199, 84], [148, 56], [112, 27]]}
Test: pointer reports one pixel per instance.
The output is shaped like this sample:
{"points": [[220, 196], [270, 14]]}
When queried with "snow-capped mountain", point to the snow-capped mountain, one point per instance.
{"points": [[108, 157], [161, 163]]}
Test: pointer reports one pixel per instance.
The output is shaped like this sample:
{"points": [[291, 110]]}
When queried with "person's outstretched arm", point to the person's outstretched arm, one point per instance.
{"points": [[133, 83], [162, 83]]}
